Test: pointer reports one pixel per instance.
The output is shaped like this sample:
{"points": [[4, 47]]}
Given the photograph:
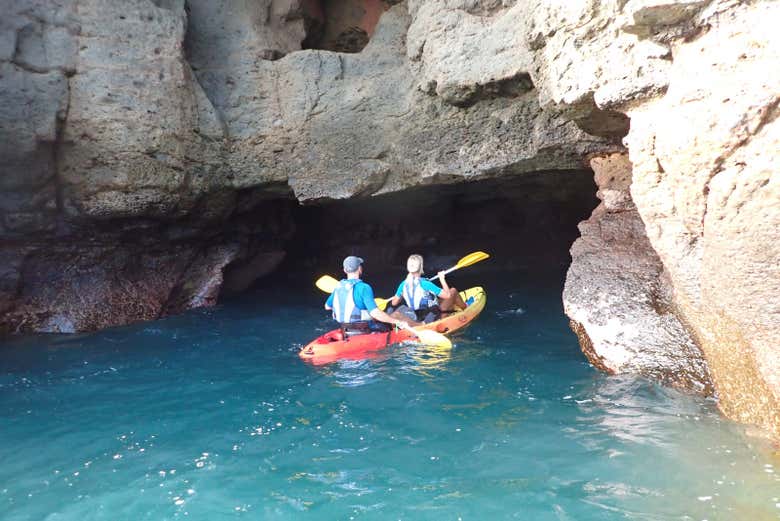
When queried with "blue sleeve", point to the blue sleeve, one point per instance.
{"points": [[365, 297], [427, 285], [329, 302], [400, 291]]}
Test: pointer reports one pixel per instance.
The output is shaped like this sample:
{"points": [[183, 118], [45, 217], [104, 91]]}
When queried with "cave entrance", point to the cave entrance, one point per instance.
{"points": [[341, 25], [527, 221]]}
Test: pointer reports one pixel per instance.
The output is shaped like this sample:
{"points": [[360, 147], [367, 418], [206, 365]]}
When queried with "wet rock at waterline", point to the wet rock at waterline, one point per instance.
{"points": [[178, 128], [616, 294]]}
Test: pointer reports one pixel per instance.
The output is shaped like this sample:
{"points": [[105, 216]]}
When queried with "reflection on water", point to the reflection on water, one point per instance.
{"points": [[426, 360], [211, 415]]}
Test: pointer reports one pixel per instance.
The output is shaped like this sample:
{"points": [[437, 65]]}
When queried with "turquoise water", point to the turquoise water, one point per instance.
{"points": [[211, 416]]}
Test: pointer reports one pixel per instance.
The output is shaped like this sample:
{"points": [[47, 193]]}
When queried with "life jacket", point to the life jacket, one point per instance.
{"points": [[416, 297], [344, 308]]}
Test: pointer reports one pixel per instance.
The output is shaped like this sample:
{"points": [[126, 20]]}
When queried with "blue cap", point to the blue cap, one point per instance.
{"points": [[352, 263]]}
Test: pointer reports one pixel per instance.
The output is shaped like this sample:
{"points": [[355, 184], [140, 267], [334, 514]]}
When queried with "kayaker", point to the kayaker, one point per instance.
{"points": [[352, 303], [423, 299]]}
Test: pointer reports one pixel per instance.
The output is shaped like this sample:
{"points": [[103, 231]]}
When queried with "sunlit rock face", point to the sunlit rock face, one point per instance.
{"points": [[707, 186], [340, 125], [186, 130]]}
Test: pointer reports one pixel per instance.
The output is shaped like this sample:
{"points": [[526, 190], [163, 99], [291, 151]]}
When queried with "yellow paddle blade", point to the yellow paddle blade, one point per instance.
{"points": [[326, 283], [381, 303], [432, 338], [472, 258]]}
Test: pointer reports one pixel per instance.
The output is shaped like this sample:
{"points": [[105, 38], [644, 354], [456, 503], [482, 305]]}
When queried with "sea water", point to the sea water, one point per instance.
{"points": [[211, 415]]}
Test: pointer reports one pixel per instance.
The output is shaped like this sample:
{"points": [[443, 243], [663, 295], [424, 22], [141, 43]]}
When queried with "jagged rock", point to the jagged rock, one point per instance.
{"points": [[200, 283], [616, 295], [243, 274], [700, 85], [462, 54], [66, 289], [124, 150], [581, 53], [651, 18], [706, 185], [361, 113]]}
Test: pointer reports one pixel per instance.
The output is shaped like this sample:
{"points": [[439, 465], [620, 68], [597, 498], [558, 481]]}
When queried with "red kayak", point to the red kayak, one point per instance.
{"points": [[332, 346]]}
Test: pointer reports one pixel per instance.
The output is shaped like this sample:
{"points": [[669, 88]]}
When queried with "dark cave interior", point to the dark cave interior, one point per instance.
{"points": [[527, 221]]}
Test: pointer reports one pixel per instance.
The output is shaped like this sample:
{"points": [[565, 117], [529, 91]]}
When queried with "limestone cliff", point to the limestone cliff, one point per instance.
{"points": [[167, 127], [149, 147]]}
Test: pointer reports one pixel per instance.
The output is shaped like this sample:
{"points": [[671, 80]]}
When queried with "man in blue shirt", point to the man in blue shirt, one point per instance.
{"points": [[353, 303]]}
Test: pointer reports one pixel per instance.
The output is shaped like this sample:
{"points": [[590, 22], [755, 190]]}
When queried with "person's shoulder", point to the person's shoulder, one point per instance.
{"points": [[363, 286], [428, 285]]}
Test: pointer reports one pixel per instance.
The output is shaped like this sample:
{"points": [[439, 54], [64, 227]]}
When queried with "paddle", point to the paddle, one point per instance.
{"points": [[326, 283], [429, 337], [468, 260]]}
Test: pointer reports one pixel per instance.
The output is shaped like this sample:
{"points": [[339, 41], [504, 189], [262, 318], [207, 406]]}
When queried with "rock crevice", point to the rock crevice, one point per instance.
{"points": [[617, 295]]}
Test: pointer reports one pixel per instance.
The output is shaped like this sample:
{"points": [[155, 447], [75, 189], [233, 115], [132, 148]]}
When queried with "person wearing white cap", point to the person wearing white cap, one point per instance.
{"points": [[424, 299], [352, 302]]}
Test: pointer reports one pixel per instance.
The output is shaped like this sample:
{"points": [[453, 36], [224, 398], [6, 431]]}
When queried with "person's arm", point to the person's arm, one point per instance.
{"points": [[378, 314], [329, 302], [397, 298], [367, 298], [445, 288]]}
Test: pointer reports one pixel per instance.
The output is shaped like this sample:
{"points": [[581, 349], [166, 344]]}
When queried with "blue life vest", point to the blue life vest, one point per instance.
{"points": [[344, 308], [416, 297]]}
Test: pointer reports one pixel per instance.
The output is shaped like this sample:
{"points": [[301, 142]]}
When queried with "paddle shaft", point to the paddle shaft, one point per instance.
{"points": [[445, 272]]}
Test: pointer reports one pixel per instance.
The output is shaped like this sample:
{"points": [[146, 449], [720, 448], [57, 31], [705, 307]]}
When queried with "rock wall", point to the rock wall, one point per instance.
{"points": [[708, 187], [178, 129], [699, 83], [163, 126], [705, 188], [617, 294]]}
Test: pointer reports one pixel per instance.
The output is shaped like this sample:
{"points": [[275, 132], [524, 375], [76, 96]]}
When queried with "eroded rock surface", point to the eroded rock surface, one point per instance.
{"points": [[161, 124], [335, 125], [699, 81], [616, 294], [708, 188]]}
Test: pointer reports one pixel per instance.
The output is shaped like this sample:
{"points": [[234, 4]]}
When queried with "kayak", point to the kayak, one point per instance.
{"points": [[333, 346]]}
